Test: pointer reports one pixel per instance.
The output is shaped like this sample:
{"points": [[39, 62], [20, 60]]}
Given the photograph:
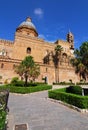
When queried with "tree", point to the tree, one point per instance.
{"points": [[19, 69], [56, 57], [26, 69], [35, 71], [84, 48], [27, 64], [80, 62], [58, 50]]}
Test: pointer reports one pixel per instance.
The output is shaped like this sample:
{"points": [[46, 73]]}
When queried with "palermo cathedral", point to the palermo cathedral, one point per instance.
{"points": [[27, 42]]}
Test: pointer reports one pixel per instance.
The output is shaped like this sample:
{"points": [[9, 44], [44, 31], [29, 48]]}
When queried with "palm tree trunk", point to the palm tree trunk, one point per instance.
{"points": [[57, 75], [26, 79]]}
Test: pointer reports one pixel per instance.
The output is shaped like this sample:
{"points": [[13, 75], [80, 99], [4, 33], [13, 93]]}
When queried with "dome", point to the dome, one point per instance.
{"points": [[27, 28], [27, 24]]}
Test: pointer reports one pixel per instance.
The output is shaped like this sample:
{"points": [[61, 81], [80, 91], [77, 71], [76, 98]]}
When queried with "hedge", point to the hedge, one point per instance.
{"points": [[24, 90], [82, 83], [74, 89], [73, 99], [63, 83]]}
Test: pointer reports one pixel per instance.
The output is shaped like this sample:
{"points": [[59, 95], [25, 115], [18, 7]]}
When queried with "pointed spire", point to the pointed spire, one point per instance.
{"points": [[69, 30]]}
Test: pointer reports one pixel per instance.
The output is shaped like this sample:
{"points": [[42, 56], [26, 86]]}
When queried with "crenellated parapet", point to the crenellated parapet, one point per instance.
{"points": [[6, 42]]}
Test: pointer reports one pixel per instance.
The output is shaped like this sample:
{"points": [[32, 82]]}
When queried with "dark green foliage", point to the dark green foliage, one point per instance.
{"points": [[73, 99], [80, 62], [86, 83], [28, 62], [28, 70], [41, 83], [63, 83], [2, 119], [86, 92], [20, 83], [32, 84], [14, 80], [17, 83], [74, 90]]}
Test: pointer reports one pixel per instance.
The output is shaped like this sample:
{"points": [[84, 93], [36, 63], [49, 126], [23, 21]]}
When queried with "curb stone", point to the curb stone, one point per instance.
{"points": [[69, 105]]}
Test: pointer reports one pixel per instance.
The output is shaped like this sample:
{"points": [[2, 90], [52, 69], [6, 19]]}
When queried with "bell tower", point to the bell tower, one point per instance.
{"points": [[70, 39]]}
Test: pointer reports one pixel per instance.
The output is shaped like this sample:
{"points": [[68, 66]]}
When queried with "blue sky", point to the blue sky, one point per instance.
{"points": [[52, 18]]}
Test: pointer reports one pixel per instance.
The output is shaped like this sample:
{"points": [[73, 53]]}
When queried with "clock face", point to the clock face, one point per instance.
{"points": [[72, 51]]}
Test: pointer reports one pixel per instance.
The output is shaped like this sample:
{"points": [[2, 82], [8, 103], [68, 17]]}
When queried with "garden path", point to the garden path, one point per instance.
{"points": [[39, 113]]}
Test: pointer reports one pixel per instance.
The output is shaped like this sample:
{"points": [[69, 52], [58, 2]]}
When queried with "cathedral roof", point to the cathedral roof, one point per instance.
{"points": [[28, 23]]}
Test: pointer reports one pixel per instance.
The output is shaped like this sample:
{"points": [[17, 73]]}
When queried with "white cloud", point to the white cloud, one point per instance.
{"points": [[39, 12], [41, 36]]}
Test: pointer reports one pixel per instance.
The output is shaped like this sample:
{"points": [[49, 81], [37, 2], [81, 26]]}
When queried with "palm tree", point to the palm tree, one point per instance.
{"points": [[27, 64], [58, 50], [19, 69], [80, 69], [34, 71], [28, 69], [56, 57]]}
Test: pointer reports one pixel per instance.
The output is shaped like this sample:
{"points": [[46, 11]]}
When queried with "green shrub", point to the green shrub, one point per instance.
{"points": [[81, 83], [74, 90], [18, 83], [63, 83], [31, 84], [2, 119], [24, 90], [40, 83], [14, 80], [73, 99]]}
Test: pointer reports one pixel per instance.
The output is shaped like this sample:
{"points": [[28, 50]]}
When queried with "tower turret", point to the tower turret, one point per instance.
{"points": [[70, 39]]}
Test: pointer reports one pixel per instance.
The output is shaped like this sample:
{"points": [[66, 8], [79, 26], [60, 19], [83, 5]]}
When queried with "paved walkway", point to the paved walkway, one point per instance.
{"points": [[42, 114]]}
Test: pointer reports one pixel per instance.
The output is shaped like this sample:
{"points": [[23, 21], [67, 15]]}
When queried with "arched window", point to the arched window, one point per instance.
{"points": [[28, 50], [64, 55], [2, 65]]}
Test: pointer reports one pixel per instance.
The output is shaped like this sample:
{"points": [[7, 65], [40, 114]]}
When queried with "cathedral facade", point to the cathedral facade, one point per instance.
{"points": [[27, 42]]}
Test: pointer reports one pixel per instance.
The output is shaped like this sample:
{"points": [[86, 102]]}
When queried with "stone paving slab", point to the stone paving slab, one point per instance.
{"points": [[42, 114]]}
